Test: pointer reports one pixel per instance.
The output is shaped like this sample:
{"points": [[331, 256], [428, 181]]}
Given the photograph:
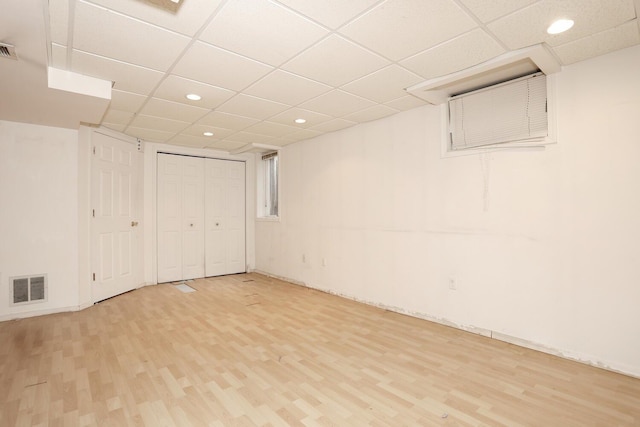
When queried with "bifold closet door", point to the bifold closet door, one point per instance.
{"points": [[180, 217], [225, 217]]}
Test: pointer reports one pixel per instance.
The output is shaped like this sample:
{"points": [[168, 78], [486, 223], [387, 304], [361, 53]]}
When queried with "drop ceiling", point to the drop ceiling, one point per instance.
{"points": [[260, 64]]}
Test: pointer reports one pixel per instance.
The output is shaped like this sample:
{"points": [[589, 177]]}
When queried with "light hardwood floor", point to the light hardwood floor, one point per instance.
{"points": [[248, 350]]}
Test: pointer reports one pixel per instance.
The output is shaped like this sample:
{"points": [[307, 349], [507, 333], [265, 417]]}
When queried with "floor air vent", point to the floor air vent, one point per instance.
{"points": [[28, 289]]}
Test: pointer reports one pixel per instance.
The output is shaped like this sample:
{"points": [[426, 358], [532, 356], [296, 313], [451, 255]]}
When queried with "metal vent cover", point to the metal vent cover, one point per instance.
{"points": [[8, 51], [28, 289]]}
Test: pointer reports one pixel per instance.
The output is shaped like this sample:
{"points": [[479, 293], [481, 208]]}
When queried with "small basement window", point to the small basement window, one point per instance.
{"points": [[268, 185], [513, 113]]}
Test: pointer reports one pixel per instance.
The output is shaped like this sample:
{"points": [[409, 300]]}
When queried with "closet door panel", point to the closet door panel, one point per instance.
{"points": [[235, 231], [169, 245], [192, 217], [215, 207], [225, 217]]}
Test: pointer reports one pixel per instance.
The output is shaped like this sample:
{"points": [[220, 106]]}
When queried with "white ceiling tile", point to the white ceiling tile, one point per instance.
{"points": [[251, 106], [383, 85], [337, 103], [332, 13], [289, 116], [151, 135], [112, 126], [226, 145], [302, 134], [218, 67], [287, 88], [335, 61], [198, 130], [127, 77], [399, 28], [406, 103], [227, 121], [271, 129], [373, 113], [117, 117], [105, 33], [528, 26], [59, 21], [187, 18], [262, 30], [616, 38], [173, 110], [333, 125], [247, 137], [489, 10], [158, 123], [175, 88], [126, 101], [191, 141], [281, 142], [454, 55], [334, 80]]}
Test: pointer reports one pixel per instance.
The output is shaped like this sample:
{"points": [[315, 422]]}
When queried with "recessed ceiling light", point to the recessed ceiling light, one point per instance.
{"points": [[194, 97], [560, 26], [208, 133], [300, 121]]}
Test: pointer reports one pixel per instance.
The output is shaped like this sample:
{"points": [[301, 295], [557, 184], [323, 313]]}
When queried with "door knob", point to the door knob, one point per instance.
{"points": [[217, 224], [191, 225], [134, 223]]}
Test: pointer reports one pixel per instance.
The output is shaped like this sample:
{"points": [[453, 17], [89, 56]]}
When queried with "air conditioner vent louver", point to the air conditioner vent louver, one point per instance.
{"points": [[7, 51]]}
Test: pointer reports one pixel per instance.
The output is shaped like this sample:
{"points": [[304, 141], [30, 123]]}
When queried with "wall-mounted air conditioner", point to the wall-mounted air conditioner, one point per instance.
{"points": [[514, 111], [502, 103]]}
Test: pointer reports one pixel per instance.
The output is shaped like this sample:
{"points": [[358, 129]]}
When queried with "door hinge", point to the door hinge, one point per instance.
{"points": [[94, 150], [93, 213], [94, 277]]}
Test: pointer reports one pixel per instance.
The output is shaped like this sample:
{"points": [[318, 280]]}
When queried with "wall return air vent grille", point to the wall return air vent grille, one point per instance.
{"points": [[7, 51], [28, 289]]}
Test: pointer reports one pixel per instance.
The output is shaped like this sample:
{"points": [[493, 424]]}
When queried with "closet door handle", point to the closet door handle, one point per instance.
{"points": [[191, 225]]}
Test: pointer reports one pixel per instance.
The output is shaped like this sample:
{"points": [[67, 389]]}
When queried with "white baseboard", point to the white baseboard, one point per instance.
{"points": [[43, 312]]}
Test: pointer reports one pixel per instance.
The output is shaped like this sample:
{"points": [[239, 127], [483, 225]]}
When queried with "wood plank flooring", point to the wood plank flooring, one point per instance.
{"points": [[247, 350]]}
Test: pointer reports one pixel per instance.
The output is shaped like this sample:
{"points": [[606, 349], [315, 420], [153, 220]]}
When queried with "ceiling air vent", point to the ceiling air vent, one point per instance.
{"points": [[7, 51]]}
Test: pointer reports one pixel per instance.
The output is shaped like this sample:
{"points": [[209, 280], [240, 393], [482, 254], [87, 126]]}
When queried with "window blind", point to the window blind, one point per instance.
{"points": [[509, 112]]}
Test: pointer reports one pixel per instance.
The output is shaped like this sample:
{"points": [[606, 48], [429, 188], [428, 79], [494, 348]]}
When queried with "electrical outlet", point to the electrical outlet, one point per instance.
{"points": [[452, 284]]}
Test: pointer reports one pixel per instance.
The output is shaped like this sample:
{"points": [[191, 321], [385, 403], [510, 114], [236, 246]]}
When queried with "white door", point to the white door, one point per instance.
{"points": [[225, 217], [115, 232], [180, 213], [169, 218], [192, 217]]}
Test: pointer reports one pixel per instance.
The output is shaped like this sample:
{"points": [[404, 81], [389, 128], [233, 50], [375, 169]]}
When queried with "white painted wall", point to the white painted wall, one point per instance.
{"points": [[39, 214], [543, 246]]}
